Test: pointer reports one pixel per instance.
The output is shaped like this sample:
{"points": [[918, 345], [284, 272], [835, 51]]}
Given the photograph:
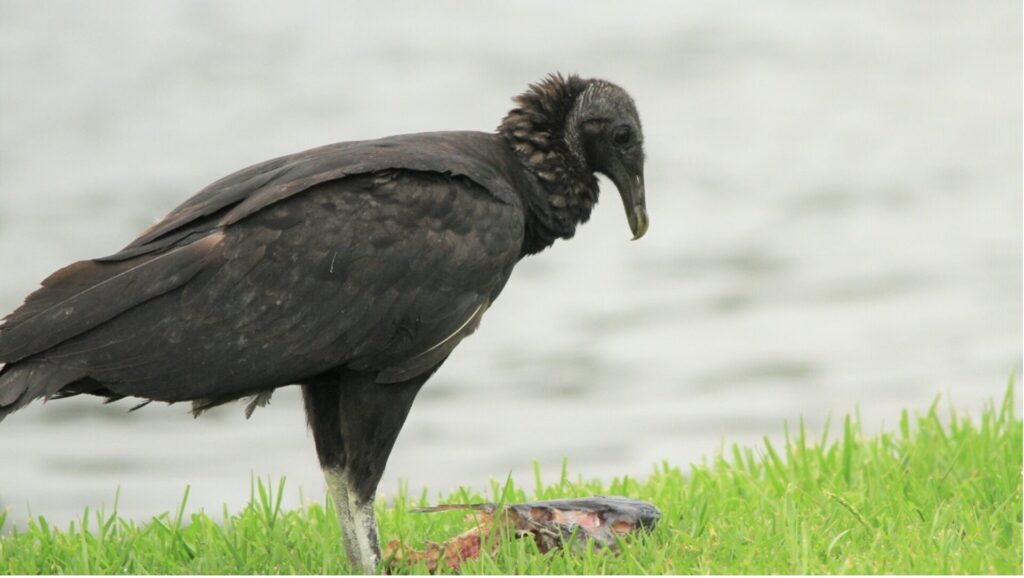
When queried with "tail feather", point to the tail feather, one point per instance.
{"points": [[24, 382]]}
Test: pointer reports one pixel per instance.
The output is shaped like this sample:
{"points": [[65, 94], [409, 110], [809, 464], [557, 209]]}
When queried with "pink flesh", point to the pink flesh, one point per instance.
{"points": [[586, 520]]}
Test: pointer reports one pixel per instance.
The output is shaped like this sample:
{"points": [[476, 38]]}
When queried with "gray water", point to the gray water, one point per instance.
{"points": [[835, 193]]}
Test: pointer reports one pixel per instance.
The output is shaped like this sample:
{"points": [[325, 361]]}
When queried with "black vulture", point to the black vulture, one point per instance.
{"points": [[352, 269]]}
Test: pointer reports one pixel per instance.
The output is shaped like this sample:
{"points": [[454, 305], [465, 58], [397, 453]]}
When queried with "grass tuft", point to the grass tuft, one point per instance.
{"points": [[941, 495]]}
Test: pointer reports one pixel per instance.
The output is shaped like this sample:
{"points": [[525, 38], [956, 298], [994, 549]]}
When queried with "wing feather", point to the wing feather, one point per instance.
{"points": [[372, 277], [54, 316], [384, 263]]}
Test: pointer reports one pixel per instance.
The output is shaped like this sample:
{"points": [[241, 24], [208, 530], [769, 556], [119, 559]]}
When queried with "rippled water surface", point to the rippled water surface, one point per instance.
{"points": [[835, 192]]}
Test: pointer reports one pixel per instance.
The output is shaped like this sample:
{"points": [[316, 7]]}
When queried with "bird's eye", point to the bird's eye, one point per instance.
{"points": [[622, 135]]}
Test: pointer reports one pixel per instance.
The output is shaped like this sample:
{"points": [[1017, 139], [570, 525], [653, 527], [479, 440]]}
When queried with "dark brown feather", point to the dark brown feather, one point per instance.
{"points": [[366, 272], [86, 294], [370, 258]]}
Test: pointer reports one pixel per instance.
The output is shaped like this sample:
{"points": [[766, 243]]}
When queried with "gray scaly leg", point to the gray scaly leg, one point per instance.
{"points": [[355, 422], [358, 523]]}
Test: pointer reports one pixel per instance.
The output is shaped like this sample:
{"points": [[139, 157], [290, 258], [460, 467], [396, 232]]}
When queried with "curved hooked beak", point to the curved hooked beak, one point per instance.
{"points": [[631, 189]]}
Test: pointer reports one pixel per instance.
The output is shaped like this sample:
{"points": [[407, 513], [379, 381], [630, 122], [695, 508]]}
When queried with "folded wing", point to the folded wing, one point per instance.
{"points": [[383, 271]]}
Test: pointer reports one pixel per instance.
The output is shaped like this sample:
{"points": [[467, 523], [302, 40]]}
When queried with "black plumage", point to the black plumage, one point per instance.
{"points": [[353, 269]]}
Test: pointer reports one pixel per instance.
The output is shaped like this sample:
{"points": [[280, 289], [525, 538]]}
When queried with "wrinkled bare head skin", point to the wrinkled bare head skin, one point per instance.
{"points": [[605, 127], [566, 129]]}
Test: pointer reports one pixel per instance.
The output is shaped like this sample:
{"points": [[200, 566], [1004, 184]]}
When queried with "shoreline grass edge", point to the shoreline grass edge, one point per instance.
{"points": [[939, 495]]}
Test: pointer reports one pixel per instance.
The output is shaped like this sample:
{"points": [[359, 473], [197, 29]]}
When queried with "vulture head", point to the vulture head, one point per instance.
{"points": [[566, 129]]}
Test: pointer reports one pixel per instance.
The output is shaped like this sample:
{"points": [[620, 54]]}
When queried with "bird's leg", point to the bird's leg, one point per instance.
{"points": [[355, 423], [357, 520]]}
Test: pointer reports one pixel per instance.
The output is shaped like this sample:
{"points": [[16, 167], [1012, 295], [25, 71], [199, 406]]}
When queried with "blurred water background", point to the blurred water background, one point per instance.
{"points": [[835, 192]]}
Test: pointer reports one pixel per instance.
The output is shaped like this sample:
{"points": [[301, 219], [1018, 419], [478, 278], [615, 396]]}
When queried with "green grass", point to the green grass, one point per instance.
{"points": [[942, 494]]}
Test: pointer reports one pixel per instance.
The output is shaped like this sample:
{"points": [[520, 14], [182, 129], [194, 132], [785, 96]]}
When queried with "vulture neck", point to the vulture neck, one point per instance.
{"points": [[566, 190]]}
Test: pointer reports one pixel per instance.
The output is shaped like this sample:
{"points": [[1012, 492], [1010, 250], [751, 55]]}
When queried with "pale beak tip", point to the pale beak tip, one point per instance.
{"points": [[641, 222]]}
